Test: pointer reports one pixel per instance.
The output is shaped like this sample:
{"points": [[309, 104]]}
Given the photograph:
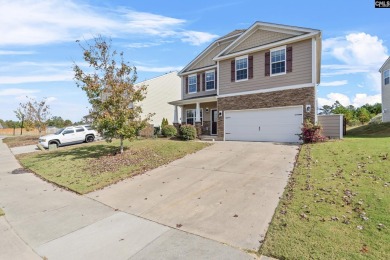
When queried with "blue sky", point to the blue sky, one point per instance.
{"points": [[37, 43]]}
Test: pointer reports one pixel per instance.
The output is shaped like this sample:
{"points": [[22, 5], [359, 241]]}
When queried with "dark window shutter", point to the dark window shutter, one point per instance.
{"points": [[204, 81], [215, 79], [250, 67], [289, 59], [198, 82], [186, 84], [267, 62], [233, 71]]}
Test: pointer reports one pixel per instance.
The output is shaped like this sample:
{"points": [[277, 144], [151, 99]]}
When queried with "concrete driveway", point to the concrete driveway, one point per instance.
{"points": [[227, 192], [44, 221]]}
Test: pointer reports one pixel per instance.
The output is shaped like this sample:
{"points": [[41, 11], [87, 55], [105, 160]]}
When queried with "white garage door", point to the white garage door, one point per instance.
{"points": [[273, 124]]}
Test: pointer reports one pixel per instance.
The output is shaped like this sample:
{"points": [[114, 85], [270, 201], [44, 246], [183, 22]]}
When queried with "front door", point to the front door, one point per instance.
{"points": [[214, 120]]}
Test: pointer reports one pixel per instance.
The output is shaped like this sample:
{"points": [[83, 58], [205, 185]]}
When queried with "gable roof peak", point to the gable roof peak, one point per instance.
{"points": [[384, 64]]}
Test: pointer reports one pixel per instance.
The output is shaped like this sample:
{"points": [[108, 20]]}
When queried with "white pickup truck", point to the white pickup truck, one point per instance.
{"points": [[69, 135]]}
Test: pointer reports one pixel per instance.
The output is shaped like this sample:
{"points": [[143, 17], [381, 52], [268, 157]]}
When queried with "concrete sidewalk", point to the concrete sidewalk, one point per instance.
{"points": [[58, 224], [25, 149]]}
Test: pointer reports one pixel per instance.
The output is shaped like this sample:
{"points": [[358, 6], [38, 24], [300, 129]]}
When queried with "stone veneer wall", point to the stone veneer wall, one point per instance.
{"points": [[291, 97], [206, 130]]}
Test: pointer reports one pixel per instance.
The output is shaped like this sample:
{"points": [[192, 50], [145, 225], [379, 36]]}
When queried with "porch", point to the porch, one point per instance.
{"points": [[201, 112]]}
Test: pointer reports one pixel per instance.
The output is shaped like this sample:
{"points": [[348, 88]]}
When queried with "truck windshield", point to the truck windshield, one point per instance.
{"points": [[59, 131]]}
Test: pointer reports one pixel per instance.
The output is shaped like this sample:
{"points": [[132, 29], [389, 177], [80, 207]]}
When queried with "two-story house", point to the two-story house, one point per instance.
{"points": [[385, 78], [257, 84], [160, 90]]}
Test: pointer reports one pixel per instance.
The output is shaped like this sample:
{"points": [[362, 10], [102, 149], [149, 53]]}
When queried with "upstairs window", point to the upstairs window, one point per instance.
{"points": [[192, 84], [210, 80], [278, 61], [386, 76], [241, 68]]}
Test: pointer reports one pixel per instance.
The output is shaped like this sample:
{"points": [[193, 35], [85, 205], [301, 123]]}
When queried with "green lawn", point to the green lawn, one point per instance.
{"points": [[370, 130], [337, 203], [92, 166]]}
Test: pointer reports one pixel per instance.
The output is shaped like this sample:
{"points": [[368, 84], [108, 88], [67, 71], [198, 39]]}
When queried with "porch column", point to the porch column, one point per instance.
{"points": [[197, 117], [198, 123], [175, 116]]}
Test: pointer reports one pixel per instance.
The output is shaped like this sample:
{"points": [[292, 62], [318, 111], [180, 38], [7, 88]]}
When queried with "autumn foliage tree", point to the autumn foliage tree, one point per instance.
{"points": [[109, 85], [35, 114]]}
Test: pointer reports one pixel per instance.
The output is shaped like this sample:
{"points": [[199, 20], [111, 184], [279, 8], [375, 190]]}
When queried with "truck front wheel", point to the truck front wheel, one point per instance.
{"points": [[89, 138]]}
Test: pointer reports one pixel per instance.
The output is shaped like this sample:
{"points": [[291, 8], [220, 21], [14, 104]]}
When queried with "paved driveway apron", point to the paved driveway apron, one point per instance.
{"points": [[227, 192]]}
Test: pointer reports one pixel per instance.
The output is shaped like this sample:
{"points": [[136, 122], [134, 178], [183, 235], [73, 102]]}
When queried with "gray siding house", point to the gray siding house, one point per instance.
{"points": [[257, 84], [385, 79]]}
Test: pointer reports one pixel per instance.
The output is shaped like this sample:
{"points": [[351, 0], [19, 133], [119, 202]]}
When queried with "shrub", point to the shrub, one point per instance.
{"points": [[147, 131], [164, 122], [169, 131], [311, 133], [187, 132]]}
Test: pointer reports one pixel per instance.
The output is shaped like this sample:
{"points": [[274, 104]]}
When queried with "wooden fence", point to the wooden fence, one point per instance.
{"points": [[16, 131]]}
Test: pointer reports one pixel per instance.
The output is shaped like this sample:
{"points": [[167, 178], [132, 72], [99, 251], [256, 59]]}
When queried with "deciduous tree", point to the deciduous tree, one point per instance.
{"points": [[36, 112], [109, 85]]}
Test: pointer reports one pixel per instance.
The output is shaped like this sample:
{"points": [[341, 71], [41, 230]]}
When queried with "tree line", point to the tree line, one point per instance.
{"points": [[353, 115], [35, 114]]}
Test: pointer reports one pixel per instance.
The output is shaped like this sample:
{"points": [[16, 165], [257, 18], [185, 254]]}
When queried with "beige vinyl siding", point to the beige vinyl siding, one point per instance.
{"points": [[160, 91], [207, 60], [385, 95], [201, 93], [260, 37], [332, 125], [301, 72]]}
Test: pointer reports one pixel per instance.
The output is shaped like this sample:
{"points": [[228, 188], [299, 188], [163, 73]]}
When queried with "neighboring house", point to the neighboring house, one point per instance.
{"points": [[385, 76], [160, 90], [257, 84]]}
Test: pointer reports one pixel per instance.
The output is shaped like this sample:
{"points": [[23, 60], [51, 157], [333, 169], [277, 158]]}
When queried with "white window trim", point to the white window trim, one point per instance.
{"points": [[205, 79], [285, 61], [196, 83], [384, 77], [195, 115], [247, 68]]}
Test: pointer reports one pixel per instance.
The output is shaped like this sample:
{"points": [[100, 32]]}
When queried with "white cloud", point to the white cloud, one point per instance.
{"points": [[33, 22], [362, 99], [197, 38], [6, 52], [358, 53], [142, 44], [51, 99], [357, 49], [67, 76], [158, 69], [17, 91], [358, 99], [334, 83], [332, 98]]}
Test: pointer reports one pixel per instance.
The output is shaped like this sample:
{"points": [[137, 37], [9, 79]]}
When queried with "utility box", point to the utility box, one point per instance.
{"points": [[332, 126], [52, 147]]}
